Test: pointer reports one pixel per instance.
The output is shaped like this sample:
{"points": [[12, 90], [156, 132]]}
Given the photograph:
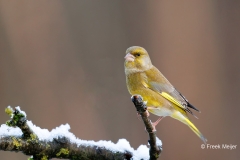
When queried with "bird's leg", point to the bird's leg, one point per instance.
{"points": [[154, 124]]}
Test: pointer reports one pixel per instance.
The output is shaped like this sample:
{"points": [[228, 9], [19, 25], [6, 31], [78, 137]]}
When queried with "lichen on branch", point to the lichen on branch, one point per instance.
{"points": [[19, 119]]}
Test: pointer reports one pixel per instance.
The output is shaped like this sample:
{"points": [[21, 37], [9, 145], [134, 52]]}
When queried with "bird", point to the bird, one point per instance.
{"points": [[160, 96]]}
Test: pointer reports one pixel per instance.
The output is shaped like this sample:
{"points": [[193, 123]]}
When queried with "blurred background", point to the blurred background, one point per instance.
{"points": [[62, 62]]}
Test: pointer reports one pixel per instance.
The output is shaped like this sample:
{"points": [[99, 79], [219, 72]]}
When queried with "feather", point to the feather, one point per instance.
{"points": [[157, 82]]}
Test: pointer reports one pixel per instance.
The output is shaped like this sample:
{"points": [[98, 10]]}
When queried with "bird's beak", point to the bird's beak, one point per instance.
{"points": [[129, 57]]}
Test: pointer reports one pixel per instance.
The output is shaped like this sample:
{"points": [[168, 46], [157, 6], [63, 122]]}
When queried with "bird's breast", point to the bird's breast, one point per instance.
{"points": [[134, 83]]}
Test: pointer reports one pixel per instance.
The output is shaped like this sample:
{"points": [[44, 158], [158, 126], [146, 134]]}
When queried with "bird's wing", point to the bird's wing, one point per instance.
{"points": [[155, 80]]}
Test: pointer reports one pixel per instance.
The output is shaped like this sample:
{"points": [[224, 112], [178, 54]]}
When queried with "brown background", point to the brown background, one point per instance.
{"points": [[62, 62]]}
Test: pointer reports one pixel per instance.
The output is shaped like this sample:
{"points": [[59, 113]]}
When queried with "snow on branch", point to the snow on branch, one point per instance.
{"points": [[21, 135]]}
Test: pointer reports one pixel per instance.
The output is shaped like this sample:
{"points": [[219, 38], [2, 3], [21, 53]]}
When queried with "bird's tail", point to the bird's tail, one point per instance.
{"points": [[186, 121]]}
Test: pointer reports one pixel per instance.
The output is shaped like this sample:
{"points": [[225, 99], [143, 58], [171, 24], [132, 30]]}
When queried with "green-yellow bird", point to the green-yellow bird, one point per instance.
{"points": [[162, 99]]}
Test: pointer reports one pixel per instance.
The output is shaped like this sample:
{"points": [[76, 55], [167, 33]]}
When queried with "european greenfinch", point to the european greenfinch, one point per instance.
{"points": [[160, 96]]}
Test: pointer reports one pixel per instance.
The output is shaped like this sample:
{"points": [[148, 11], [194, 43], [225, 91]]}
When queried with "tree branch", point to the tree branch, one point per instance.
{"points": [[59, 148], [20, 135], [65, 146], [155, 147]]}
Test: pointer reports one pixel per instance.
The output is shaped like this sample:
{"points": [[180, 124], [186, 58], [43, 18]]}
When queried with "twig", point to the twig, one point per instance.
{"points": [[19, 119], [155, 150]]}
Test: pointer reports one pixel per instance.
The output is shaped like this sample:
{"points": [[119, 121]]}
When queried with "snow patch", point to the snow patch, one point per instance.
{"points": [[5, 130], [20, 111]]}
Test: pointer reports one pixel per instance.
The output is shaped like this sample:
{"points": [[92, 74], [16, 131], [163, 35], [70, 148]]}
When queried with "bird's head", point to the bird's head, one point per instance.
{"points": [[137, 60]]}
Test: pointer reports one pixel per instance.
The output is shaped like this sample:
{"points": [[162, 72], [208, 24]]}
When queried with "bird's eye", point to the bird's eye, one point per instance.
{"points": [[138, 54]]}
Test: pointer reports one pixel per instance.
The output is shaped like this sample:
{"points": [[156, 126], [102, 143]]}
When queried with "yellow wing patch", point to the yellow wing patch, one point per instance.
{"points": [[166, 96], [171, 99], [145, 84]]}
